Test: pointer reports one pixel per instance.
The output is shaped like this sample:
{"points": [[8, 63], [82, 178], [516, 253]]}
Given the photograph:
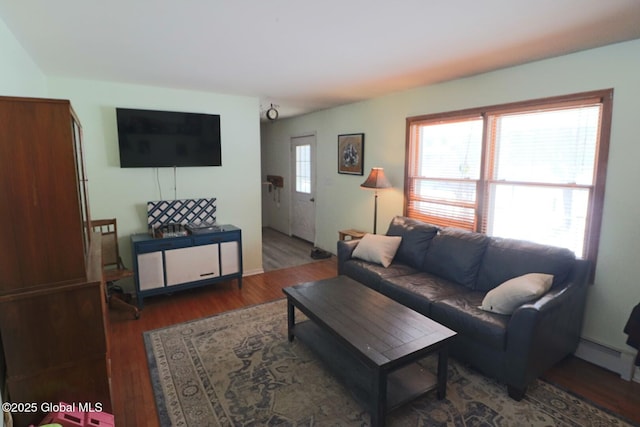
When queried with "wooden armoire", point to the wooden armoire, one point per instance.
{"points": [[53, 319]]}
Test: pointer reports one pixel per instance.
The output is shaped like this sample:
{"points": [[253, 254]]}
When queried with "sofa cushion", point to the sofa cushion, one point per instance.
{"points": [[461, 313], [418, 291], [371, 274], [416, 237], [456, 255], [505, 259], [508, 296], [377, 248]]}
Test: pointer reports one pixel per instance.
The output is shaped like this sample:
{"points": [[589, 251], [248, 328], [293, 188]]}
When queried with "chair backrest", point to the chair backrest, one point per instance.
{"points": [[109, 230]]}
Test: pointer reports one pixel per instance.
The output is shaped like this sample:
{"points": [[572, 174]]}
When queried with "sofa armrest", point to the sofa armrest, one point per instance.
{"points": [[345, 249], [542, 333]]}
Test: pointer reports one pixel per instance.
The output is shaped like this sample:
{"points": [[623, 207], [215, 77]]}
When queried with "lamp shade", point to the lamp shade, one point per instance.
{"points": [[376, 179]]}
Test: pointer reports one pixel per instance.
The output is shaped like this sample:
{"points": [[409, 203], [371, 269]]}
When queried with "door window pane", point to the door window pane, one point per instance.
{"points": [[303, 168]]}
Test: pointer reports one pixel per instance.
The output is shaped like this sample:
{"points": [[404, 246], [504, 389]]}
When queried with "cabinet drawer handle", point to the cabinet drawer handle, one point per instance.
{"points": [[207, 274]]}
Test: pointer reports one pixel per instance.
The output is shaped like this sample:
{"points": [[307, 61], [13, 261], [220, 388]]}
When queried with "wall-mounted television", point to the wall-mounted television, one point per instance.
{"points": [[149, 138]]}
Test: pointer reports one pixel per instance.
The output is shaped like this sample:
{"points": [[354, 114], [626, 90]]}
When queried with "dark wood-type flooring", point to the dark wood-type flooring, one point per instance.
{"points": [[133, 398]]}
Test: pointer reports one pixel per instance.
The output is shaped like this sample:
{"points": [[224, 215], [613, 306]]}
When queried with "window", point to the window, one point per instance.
{"points": [[533, 170], [303, 168]]}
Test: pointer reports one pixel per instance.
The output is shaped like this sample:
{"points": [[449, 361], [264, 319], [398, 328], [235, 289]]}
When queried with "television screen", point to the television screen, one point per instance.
{"points": [[149, 138]]}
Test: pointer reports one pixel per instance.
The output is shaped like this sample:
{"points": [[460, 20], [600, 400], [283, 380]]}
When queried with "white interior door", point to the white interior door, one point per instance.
{"points": [[303, 209]]}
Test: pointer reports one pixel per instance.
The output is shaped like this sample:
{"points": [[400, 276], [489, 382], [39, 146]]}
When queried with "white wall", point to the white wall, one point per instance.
{"points": [[123, 193], [341, 203], [19, 75]]}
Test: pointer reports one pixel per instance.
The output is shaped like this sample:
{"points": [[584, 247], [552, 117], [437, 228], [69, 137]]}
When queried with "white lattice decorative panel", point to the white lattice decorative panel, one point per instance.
{"points": [[185, 211]]}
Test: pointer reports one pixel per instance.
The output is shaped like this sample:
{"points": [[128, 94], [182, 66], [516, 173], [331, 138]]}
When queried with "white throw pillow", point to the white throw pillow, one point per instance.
{"points": [[377, 248], [508, 296]]}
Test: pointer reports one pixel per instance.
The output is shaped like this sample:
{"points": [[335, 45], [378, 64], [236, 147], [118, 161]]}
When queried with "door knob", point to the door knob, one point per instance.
{"points": [[312, 199]]}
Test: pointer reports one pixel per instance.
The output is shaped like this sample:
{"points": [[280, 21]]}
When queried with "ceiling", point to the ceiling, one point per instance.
{"points": [[304, 55]]}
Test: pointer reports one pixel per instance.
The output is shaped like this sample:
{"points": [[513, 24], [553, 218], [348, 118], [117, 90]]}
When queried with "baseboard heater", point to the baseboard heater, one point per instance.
{"points": [[614, 360]]}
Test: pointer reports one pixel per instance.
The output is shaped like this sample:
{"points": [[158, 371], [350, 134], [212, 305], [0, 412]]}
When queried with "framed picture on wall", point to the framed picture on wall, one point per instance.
{"points": [[351, 153]]}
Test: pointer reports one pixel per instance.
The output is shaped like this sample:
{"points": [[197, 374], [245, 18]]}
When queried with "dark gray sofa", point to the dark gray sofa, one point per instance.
{"points": [[445, 274]]}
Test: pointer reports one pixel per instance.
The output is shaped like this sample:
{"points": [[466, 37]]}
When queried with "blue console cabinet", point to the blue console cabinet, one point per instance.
{"points": [[170, 264]]}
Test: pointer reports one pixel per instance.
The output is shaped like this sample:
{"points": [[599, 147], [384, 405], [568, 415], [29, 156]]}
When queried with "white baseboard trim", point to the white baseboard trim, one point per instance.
{"points": [[616, 361], [252, 272]]}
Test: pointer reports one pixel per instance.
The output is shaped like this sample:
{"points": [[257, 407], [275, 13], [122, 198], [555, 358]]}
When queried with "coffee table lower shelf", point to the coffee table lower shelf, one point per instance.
{"points": [[403, 384]]}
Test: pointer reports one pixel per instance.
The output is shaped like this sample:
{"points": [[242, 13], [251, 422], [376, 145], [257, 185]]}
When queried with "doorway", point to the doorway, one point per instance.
{"points": [[303, 209]]}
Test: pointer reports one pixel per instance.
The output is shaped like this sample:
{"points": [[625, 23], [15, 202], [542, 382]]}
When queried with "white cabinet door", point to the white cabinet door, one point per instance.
{"points": [[150, 271], [192, 264], [229, 258]]}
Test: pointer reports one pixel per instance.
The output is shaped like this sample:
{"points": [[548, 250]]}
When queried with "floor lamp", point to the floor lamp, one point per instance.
{"points": [[375, 181]]}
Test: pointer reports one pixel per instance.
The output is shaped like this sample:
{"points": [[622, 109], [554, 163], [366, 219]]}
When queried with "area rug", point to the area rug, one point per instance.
{"points": [[239, 369]]}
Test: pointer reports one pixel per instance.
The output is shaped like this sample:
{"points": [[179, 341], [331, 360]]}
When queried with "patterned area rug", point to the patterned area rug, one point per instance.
{"points": [[238, 369]]}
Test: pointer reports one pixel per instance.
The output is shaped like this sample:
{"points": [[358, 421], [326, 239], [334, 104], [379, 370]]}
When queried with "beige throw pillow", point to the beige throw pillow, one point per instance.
{"points": [[377, 248], [508, 296]]}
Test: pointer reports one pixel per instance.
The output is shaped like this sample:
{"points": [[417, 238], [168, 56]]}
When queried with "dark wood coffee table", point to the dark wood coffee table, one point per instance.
{"points": [[369, 341]]}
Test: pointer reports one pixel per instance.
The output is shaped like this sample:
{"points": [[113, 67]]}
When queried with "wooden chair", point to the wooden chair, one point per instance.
{"points": [[112, 266]]}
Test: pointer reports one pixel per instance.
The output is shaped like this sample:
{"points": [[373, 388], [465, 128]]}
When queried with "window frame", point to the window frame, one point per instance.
{"points": [[596, 201]]}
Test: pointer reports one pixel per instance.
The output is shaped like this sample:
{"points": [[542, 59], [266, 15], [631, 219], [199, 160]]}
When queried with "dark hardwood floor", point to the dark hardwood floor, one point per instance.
{"points": [[133, 400], [600, 386]]}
